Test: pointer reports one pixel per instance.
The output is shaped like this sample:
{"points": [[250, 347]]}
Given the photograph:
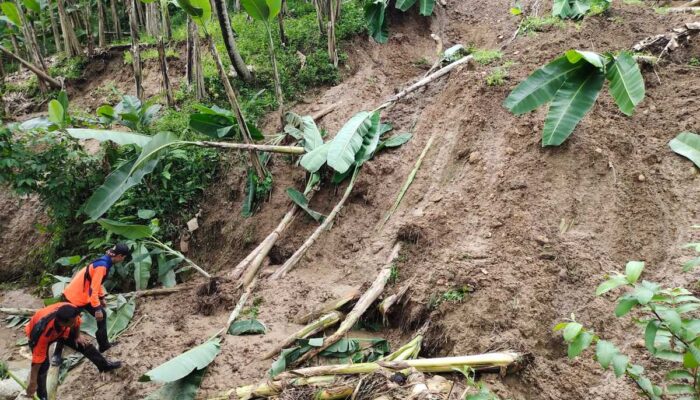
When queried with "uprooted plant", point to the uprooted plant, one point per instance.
{"points": [[571, 84], [576, 9], [671, 333]]}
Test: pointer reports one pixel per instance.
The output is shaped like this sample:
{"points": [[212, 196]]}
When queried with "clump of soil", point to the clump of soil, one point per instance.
{"points": [[209, 299]]}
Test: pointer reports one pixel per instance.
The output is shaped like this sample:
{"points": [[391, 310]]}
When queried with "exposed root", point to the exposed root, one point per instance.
{"points": [[410, 233]]}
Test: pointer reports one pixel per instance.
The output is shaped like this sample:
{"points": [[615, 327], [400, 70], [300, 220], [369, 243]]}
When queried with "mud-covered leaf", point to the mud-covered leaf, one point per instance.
{"points": [[247, 327], [687, 144], [181, 389], [180, 366]]}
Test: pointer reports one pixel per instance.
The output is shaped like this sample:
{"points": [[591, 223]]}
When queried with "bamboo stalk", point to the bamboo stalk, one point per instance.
{"points": [[249, 146], [360, 307], [317, 116], [691, 4], [294, 259], [27, 312], [329, 306], [38, 72], [433, 365], [241, 303], [409, 180], [316, 326]]}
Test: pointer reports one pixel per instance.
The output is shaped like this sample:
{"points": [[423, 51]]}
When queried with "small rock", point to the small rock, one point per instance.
{"points": [[485, 272], [436, 198], [599, 150], [641, 178], [474, 157], [193, 224], [510, 151], [562, 273], [541, 240], [441, 281]]}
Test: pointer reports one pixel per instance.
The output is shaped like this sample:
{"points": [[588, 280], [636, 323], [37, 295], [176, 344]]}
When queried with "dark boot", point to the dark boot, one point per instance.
{"points": [[57, 357], [111, 365]]}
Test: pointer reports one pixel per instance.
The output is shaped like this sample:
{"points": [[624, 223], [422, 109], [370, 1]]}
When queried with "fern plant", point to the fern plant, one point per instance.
{"points": [[671, 333], [572, 83]]}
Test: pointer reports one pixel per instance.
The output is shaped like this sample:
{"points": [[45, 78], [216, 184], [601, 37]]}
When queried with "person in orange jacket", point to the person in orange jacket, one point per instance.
{"points": [[85, 292], [59, 322]]}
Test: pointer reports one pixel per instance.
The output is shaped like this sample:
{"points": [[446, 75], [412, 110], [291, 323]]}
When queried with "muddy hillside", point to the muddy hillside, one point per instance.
{"points": [[520, 234]]}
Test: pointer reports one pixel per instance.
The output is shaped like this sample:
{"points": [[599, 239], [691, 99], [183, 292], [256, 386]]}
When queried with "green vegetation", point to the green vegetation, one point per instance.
{"points": [[671, 334], [572, 83], [577, 9], [378, 24], [457, 295], [532, 24], [694, 62], [498, 75], [150, 54], [485, 56]]}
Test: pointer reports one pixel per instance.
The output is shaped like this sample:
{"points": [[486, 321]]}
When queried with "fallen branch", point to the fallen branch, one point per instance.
{"points": [[409, 180], [267, 245], [316, 326], [294, 259], [327, 307], [317, 116], [249, 146], [27, 312], [683, 9], [360, 307], [667, 42], [38, 72], [158, 291]]}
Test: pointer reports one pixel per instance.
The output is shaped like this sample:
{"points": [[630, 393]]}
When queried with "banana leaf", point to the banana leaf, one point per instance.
{"points": [[10, 10], [129, 231], [626, 83], [304, 127], [370, 140], [152, 149], [181, 389], [394, 141], [346, 144], [180, 366], [314, 160], [262, 10], [120, 138], [300, 200], [377, 23], [142, 267], [247, 327], [687, 144], [426, 7]]}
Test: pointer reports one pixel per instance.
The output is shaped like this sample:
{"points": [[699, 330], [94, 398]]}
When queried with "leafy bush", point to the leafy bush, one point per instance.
{"points": [[671, 333]]}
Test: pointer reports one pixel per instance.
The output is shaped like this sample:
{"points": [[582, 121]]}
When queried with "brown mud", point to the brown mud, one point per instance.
{"points": [[531, 231]]}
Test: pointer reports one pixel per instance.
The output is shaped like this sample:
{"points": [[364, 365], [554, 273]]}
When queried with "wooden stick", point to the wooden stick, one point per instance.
{"points": [[318, 325], [270, 241], [362, 305], [158, 291], [390, 301], [324, 112], [327, 307], [294, 259], [249, 146]]}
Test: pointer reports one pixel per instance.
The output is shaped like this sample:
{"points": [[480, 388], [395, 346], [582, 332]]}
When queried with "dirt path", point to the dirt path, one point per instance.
{"points": [[484, 211]]}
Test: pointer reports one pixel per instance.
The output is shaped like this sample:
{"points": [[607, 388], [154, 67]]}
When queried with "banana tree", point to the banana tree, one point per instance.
{"points": [[200, 12], [266, 11], [571, 84], [377, 22], [355, 144]]}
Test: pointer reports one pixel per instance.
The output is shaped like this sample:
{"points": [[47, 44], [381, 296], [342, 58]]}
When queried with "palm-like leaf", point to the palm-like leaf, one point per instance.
{"points": [[426, 7], [305, 128], [154, 146], [687, 144], [561, 8], [119, 319], [314, 160], [10, 10], [300, 200], [142, 266], [541, 86], [120, 138], [377, 24], [181, 366], [129, 231], [626, 82], [181, 389], [370, 140], [571, 102], [344, 147], [404, 5]]}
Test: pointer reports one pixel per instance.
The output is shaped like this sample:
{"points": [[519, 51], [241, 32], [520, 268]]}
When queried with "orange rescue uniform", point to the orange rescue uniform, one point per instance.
{"points": [[86, 286], [51, 333]]}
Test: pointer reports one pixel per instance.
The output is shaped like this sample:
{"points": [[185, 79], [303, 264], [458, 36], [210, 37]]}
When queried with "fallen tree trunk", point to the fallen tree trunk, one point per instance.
{"points": [[295, 150], [37, 71], [690, 4], [27, 312], [318, 325], [360, 307], [327, 307]]}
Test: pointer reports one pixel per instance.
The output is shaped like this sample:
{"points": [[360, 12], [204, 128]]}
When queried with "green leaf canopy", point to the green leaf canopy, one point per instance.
{"points": [[687, 144], [10, 11], [179, 367], [262, 10], [377, 23]]}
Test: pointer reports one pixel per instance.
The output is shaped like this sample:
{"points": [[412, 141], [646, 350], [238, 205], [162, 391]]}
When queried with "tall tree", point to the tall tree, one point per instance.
{"points": [[88, 28], [230, 42], [152, 19], [135, 51], [165, 14], [115, 20], [100, 24], [31, 43], [54, 27], [70, 40], [195, 78], [164, 70]]}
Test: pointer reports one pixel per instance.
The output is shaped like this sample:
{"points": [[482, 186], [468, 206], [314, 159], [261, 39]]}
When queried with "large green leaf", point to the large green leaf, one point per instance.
{"points": [[561, 8], [626, 82], [687, 144], [404, 5], [199, 10], [377, 23], [579, 8], [129, 231], [370, 140], [247, 327], [299, 199], [591, 57], [262, 10], [541, 86], [305, 128], [153, 148], [215, 126], [571, 103], [314, 160], [32, 5], [119, 319], [181, 389], [115, 185], [426, 7], [120, 138], [179, 367], [56, 112], [345, 145], [394, 141], [10, 11], [142, 266]]}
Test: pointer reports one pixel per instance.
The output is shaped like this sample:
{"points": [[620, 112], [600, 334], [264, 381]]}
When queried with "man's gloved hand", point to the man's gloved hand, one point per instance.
{"points": [[99, 315]]}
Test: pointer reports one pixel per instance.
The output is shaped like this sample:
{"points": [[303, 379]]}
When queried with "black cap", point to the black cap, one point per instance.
{"points": [[120, 249], [66, 312]]}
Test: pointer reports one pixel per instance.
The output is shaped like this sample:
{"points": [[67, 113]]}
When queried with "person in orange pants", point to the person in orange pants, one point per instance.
{"points": [[59, 322], [85, 292]]}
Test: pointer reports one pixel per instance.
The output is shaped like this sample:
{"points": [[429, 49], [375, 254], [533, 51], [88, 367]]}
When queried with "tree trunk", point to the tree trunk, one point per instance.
{"points": [[140, 15], [164, 71], [165, 14], [115, 20], [31, 44], [54, 28], [152, 20], [230, 42], [194, 61], [88, 29], [135, 52], [2, 88], [233, 100], [278, 85], [36, 70], [70, 41], [318, 4], [100, 25], [332, 51], [280, 22]]}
